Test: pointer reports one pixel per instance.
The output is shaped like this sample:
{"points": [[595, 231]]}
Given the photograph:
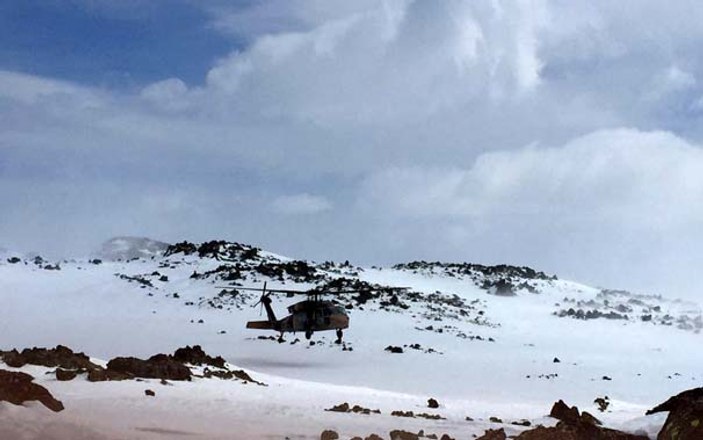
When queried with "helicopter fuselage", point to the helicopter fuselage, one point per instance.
{"points": [[305, 316]]}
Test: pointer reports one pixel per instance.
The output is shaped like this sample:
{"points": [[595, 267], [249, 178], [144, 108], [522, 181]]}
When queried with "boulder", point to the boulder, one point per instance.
{"points": [[603, 403], [102, 375], [329, 435], [574, 426], [159, 366], [60, 356], [17, 388], [432, 403], [342, 407], [685, 418], [493, 434], [398, 434], [65, 375], [561, 411], [196, 356]]}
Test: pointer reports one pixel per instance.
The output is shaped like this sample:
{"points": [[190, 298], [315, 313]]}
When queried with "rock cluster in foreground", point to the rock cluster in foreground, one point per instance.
{"points": [[17, 388]]}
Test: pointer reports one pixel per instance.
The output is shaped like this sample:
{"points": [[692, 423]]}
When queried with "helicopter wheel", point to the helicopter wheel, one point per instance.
{"points": [[339, 336], [308, 334]]}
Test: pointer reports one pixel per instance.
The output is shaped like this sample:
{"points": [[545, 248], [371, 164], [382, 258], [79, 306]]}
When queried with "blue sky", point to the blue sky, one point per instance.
{"points": [[113, 46], [560, 135]]}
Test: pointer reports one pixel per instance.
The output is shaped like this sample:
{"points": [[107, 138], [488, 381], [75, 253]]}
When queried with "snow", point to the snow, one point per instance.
{"points": [[88, 308]]}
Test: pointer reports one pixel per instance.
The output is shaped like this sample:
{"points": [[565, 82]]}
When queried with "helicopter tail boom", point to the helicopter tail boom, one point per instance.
{"points": [[260, 325]]}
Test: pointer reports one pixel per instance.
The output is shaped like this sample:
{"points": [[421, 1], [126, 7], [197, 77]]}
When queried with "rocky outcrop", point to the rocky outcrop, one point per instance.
{"points": [[399, 434], [17, 388], [685, 420], [159, 366], [574, 425], [65, 375], [493, 434], [329, 435], [196, 356], [60, 356], [357, 409]]}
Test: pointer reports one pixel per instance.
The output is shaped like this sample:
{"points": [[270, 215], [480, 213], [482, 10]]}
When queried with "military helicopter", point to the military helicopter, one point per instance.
{"points": [[309, 316]]}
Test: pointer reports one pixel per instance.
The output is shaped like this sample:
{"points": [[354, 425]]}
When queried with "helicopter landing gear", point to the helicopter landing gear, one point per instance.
{"points": [[339, 336], [308, 334], [280, 338]]}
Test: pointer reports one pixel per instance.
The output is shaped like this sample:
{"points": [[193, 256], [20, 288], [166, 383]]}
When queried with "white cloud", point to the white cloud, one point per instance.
{"points": [[169, 94], [31, 90], [423, 107], [301, 204], [626, 198]]}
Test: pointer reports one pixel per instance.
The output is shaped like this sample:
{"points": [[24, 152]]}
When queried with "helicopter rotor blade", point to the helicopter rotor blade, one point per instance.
{"points": [[263, 295]]}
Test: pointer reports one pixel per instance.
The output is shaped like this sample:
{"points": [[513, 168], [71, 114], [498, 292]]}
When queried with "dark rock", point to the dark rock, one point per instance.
{"points": [[149, 393], [556, 360], [504, 288], [13, 260], [493, 434], [399, 413], [432, 403], [102, 375], [574, 426], [587, 417], [607, 378], [156, 367], [342, 407], [495, 420], [561, 411], [374, 437], [603, 403], [60, 356], [185, 248], [394, 349], [329, 435], [685, 420], [65, 375], [196, 356], [17, 388], [564, 431], [522, 422], [446, 437], [430, 416], [398, 434]]}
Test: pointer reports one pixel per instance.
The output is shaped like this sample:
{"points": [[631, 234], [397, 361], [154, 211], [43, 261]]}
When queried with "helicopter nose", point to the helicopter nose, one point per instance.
{"points": [[340, 321]]}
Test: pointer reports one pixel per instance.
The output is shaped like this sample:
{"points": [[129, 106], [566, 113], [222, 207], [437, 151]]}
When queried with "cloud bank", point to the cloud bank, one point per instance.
{"points": [[559, 135]]}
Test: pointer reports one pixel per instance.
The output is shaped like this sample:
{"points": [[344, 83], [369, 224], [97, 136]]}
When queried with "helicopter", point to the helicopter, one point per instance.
{"points": [[309, 316]]}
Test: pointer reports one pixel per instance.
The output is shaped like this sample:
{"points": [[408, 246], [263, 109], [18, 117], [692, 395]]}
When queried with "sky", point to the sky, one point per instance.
{"points": [[561, 135]]}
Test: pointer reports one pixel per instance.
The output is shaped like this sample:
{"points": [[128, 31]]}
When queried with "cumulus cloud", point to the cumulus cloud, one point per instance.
{"points": [[616, 193]]}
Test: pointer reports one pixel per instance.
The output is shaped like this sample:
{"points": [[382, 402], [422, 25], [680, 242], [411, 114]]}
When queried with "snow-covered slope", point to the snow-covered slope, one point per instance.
{"points": [[485, 341]]}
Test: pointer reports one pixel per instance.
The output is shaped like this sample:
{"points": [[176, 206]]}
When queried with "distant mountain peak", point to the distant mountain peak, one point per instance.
{"points": [[127, 248]]}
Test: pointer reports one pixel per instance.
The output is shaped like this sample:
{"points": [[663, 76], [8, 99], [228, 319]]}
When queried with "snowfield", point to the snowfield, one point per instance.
{"points": [[493, 355]]}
